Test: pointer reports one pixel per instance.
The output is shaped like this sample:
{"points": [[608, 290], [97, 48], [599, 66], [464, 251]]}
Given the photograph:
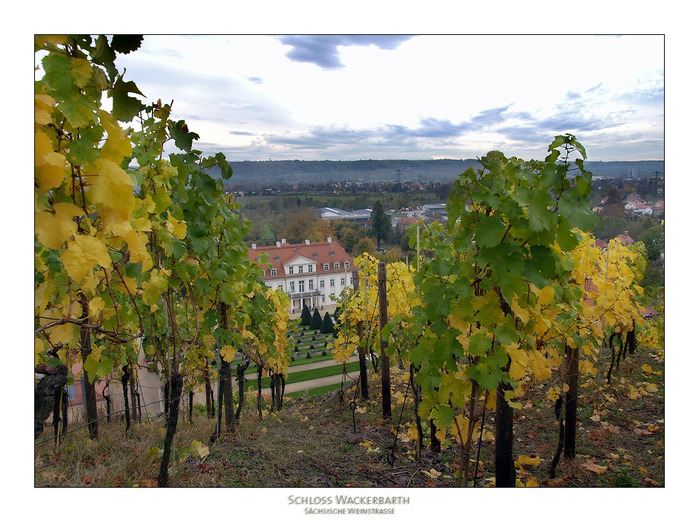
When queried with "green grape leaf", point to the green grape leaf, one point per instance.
{"points": [[489, 231], [443, 416], [183, 138], [226, 170], [125, 106], [126, 43], [540, 216]]}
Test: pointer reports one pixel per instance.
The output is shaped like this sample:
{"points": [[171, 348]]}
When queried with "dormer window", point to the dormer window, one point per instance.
{"points": [[336, 266], [326, 266], [346, 265], [315, 254], [332, 252], [274, 272], [276, 258]]}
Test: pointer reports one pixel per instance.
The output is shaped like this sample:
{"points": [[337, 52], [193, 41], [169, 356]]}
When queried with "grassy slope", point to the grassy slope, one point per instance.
{"points": [[620, 443]]}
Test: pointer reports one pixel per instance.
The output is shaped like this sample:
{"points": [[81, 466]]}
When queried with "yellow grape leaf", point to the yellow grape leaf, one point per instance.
{"points": [[532, 483], [43, 107], [117, 221], [42, 295], [492, 401], [138, 247], [553, 393], [42, 146], [128, 286], [652, 388], [54, 39], [81, 71], [39, 348], [95, 306], [587, 367], [50, 165], [112, 187], [524, 460], [227, 353], [83, 254], [155, 286], [633, 392], [63, 333], [117, 145], [53, 230], [520, 361], [540, 365], [547, 295], [91, 282], [522, 313], [51, 171], [179, 228], [198, 450]]}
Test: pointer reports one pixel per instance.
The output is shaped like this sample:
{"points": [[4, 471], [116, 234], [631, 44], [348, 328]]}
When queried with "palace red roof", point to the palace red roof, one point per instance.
{"points": [[320, 253]]}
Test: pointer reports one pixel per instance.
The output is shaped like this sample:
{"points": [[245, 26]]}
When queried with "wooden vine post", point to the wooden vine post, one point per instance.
{"points": [[361, 348], [383, 321], [90, 398], [571, 411]]}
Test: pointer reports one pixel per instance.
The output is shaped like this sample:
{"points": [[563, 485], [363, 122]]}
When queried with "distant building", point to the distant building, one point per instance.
{"points": [[625, 239], [362, 216], [309, 273], [436, 210]]}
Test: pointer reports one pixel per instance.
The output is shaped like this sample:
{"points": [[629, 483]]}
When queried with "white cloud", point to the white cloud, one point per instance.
{"points": [[461, 96]]}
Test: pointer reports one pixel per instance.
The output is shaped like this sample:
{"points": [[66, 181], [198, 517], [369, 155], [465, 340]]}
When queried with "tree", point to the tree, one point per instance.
{"points": [[366, 245], [316, 320], [320, 231], [305, 316], [654, 239], [327, 325], [299, 226], [348, 237], [380, 224]]}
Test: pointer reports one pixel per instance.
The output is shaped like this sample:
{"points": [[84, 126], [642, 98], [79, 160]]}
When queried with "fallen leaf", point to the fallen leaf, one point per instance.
{"points": [[611, 428], [524, 460], [433, 473], [590, 465]]}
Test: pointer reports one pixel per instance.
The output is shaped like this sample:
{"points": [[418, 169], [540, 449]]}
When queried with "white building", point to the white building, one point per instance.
{"points": [[309, 273]]}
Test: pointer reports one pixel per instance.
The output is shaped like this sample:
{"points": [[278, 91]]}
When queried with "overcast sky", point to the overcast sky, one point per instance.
{"points": [[420, 97]]}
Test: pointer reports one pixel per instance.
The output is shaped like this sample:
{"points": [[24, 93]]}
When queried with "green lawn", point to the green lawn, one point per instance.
{"points": [[309, 375]]}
